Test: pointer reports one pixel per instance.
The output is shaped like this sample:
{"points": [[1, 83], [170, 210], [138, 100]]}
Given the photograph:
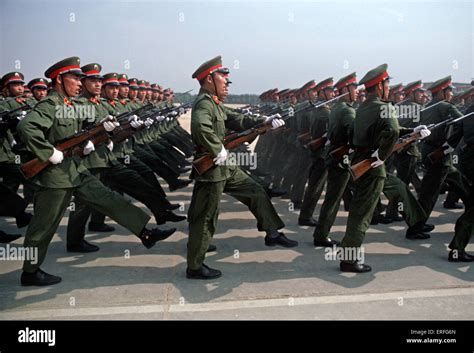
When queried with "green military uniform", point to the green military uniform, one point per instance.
{"points": [[371, 133], [443, 170], [9, 159], [318, 172], [340, 132], [40, 130], [465, 224], [208, 123]]}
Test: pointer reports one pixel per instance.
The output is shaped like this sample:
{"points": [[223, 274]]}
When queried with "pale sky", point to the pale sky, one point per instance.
{"points": [[266, 44]]}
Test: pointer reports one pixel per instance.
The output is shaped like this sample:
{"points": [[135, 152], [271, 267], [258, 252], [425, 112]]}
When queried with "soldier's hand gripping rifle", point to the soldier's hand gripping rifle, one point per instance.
{"points": [[362, 167], [33, 167], [232, 141], [439, 153]]}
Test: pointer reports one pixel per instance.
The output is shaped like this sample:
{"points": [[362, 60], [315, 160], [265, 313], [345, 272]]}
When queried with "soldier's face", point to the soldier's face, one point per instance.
{"points": [[220, 83], [123, 91], [418, 95], [448, 94], [141, 94], [155, 95], [132, 94], [148, 94], [72, 83], [386, 89], [329, 93], [312, 95], [40, 93], [16, 89], [93, 86], [111, 92], [353, 93]]}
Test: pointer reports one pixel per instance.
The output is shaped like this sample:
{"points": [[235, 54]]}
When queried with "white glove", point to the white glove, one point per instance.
{"points": [[57, 156], [133, 118], [134, 122], [246, 111], [88, 148], [221, 157], [13, 142], [160, 118], [378, 162], [276, 123], [448, 149], [181, 111], [148, 122], [22, 115], [168, 119], [110, 145], [173, 113], [109, 124], [423, 130], [256, 115], [274, 116]]}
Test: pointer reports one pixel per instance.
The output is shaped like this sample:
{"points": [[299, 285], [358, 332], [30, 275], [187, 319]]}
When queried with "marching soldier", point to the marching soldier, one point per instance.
{"points": [[440, 171], [375, 137], [102, 163], [340, 132], [208, 124], [465, 224], [67, 176], [39, 88], [318, 172]]}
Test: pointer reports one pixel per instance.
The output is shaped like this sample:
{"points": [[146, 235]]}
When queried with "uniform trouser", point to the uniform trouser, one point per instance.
{"points": [[301, 176], [145, 151], [204, 210], [122, 180], [168, 154], [317, 177], [398, 193], [366, 194], [338, 178], [158, 166], [405, 165], [13, 177], [146, 173], [463, 230], [50, 205], [179, 142], [465, 224], [277, 162], [12, 204], [435, 176]]}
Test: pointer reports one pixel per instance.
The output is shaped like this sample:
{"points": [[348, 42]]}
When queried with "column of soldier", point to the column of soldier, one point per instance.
{"points": [[104, 127], [336, 137], [338, 140]]}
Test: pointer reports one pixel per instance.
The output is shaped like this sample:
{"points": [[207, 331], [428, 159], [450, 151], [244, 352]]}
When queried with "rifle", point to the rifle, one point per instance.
{"points": [[20, 108], [124, 115], [338, 153], [304, 138], [360, 168], [438, 154], [33, 167], [206, 162], [424, 109], [316, 144]]}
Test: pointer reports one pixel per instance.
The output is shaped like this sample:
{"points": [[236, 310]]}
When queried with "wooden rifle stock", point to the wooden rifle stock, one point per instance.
{"points": [[316, 144], [206, 161], [35, 166]]}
